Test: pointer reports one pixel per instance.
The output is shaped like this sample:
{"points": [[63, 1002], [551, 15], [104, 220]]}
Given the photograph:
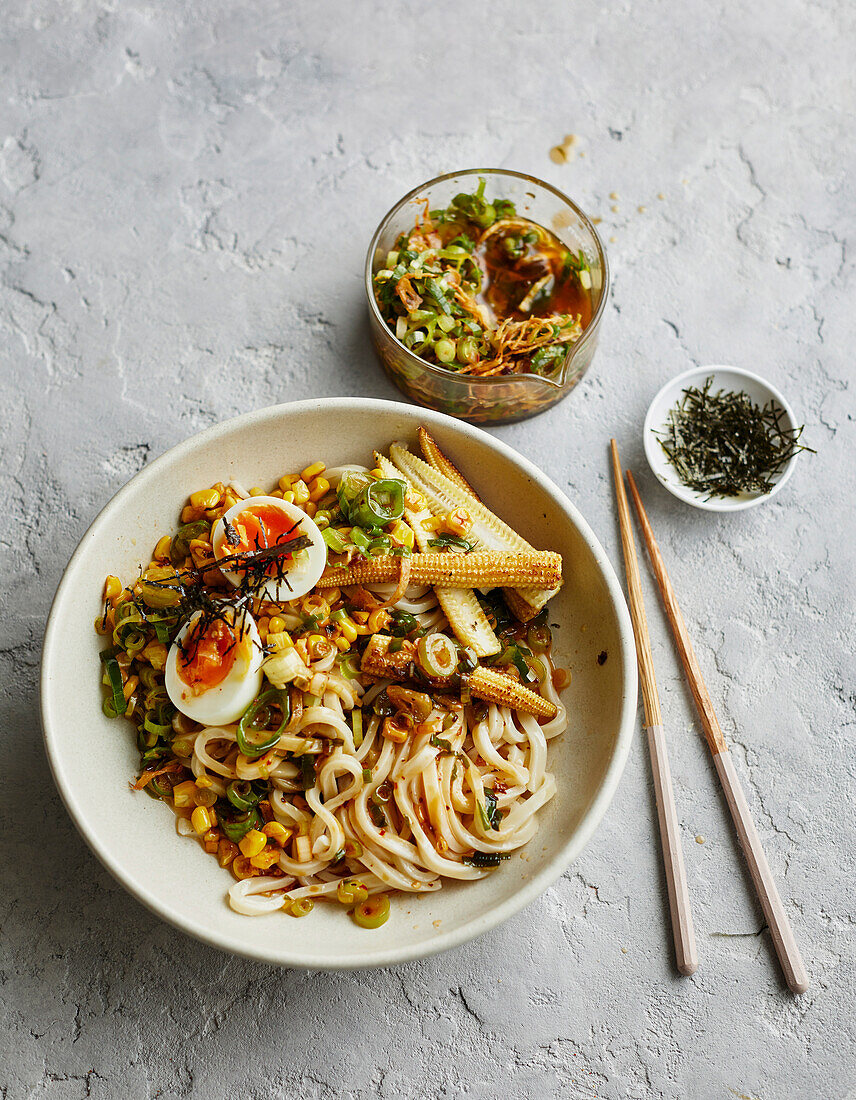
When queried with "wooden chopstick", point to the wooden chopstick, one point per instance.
{"points": [[791, 962], [686, 954]]}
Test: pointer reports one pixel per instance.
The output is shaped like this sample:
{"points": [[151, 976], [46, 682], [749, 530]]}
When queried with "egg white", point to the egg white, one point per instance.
{"points": [[302, 573], [226, 701]]}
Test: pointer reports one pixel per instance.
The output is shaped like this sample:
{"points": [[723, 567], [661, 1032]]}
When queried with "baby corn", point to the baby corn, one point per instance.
{"points": [[488, 531], [378, 661], [493, 687], [460, 606], [435, 457], [485, 683], [480, 569]]}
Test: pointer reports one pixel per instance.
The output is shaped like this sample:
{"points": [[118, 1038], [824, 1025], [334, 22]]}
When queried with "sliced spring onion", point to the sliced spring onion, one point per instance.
{"points": [[539, 638], [180, 546], [360, 539], [373, 912], [451, 542], [334, 540], [307, 772], [357, 726], [402, 623], [351, 891], [242, 795], [376, 814], [378, 503], [159, 729], [489, 814], [159, 787], [349, 665], [114, 675], [260, 707], [437, 655], [234, 824]]}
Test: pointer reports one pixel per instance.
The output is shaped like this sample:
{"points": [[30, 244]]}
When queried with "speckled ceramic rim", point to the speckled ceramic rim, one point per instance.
{"points": [[591, 328], [51, 707], [659, 464]]}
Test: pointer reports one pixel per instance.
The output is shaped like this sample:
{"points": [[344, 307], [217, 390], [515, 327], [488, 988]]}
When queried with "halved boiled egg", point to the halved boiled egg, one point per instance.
{"points": [[260, 523], [214, 667]]}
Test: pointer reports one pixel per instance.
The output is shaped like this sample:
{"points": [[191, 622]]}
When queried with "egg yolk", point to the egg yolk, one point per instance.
{"points": [[258, 528], [208, 655]]}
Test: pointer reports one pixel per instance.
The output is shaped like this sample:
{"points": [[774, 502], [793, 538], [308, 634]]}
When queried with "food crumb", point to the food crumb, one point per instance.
{"points": [[612, 240], [623, 950], [699, 839], [660, 196], [437, 923], [641, 209], [614, 208], [613, 195], [602, 657], [561, 153], [596, 221]]}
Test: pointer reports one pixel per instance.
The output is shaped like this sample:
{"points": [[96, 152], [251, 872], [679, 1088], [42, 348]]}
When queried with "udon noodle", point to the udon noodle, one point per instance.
{"points": [[361, 767]]}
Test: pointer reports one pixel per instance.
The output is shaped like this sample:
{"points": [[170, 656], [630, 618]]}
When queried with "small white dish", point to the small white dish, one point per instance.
{"points": [[93, 758], [724, 378]]}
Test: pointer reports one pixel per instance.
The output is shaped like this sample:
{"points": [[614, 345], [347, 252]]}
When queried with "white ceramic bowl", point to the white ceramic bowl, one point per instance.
{"points": [[93, 758], [724, 378]]}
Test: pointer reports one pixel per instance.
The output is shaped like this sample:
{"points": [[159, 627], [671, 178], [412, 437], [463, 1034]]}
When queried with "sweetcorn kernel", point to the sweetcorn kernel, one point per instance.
{"points": [[378, 620], [226, 852], [301, 491], [162, 548], [313, 471], [112, 587], [205, 498], [182, 793], [276, 625], [317, 645], [252, 843], [265, 859], [402, 534], [202, 819], [318, 488], [242, 868], [275, 831]]}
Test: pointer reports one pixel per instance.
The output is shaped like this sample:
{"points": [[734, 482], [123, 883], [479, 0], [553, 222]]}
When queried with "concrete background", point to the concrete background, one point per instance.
{"points": [[186, 193]]}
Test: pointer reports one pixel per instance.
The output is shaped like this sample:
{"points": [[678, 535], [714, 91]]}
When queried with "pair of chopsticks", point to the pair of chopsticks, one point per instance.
{"points": [[676, 880]]}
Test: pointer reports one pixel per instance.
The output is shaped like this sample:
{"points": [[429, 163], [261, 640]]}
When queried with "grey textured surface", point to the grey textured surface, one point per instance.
{"points": [[186, 193]]}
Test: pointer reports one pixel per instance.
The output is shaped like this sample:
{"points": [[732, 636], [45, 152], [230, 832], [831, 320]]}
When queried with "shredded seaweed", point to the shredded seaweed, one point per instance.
{"points": [[723, 444]]}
